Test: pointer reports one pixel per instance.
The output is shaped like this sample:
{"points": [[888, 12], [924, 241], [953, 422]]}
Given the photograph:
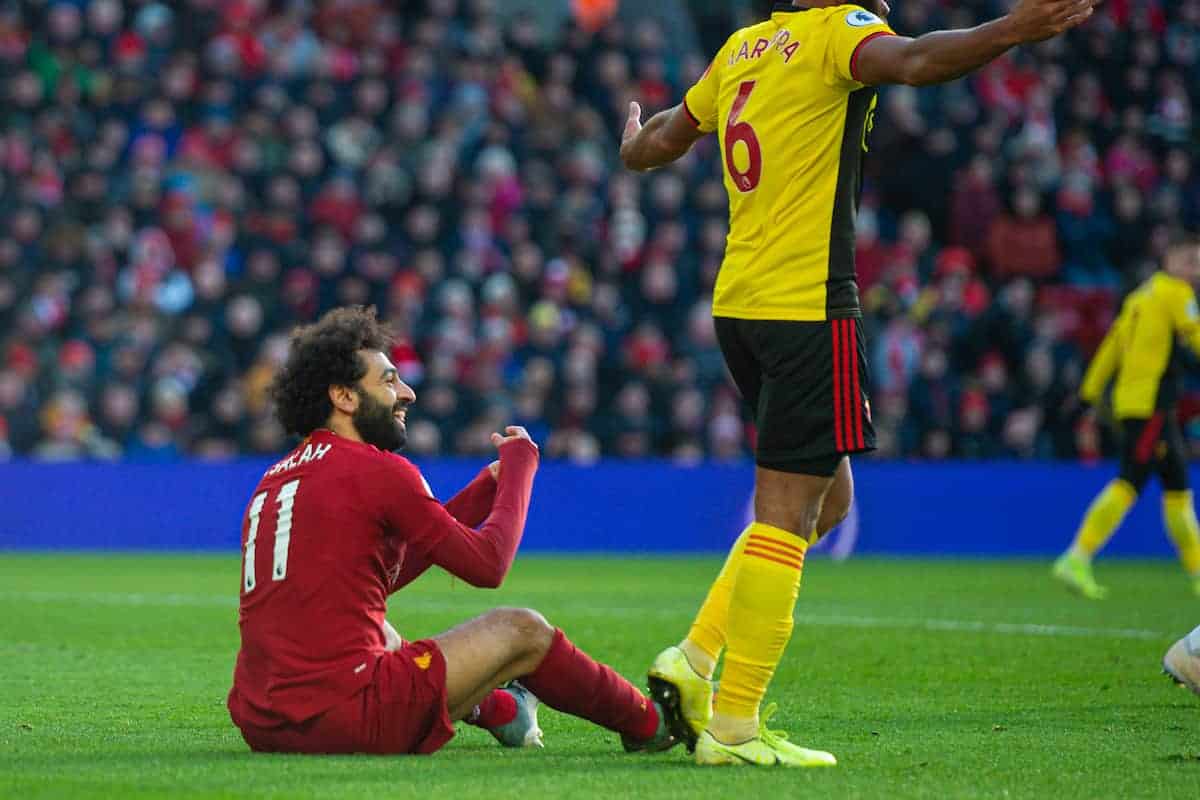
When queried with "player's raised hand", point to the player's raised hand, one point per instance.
{"points": [[1037, 20], [512, 433]]}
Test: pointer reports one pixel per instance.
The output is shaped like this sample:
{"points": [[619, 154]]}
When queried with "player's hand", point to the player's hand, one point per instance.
{"points": [[513, 433], [494, 468], [1037, 20], [633, 124]]}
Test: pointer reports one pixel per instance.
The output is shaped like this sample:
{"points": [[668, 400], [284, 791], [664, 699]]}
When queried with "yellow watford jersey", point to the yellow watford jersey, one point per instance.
{"points": [[1140, 348], [793, 124]]}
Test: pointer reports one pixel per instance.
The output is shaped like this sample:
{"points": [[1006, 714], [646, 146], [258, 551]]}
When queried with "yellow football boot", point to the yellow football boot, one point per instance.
{"points": [[768, 749], [1076, 574], [670, 673]]}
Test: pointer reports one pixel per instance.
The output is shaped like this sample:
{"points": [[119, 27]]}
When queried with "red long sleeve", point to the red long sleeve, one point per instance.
{"points": [[472, 505], [433, 536], [484, 558]]}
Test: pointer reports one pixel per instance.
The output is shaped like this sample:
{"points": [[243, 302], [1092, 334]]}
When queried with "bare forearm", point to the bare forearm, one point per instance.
{"points": [[946, 55], [650, 149]]}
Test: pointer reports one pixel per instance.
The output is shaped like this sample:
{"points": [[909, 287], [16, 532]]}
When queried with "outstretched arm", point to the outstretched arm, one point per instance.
{"points": [[665, 137], [946, 55]]}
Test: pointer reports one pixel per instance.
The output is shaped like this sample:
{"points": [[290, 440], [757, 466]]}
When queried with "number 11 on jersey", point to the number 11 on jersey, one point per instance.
{"points": [[283, 534]]}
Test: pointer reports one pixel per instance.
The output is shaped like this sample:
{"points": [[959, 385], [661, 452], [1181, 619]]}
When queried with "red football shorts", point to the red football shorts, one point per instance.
{"points": [[402, 710]]}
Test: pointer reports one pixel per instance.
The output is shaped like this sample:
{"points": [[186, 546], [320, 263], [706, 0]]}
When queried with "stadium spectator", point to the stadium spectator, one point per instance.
{"points": [[1024, 242]]}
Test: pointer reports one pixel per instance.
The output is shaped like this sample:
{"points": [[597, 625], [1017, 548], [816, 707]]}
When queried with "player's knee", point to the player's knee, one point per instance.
{"points": [[1135, 479], [832, 513], [530, 629], [801, 518]]}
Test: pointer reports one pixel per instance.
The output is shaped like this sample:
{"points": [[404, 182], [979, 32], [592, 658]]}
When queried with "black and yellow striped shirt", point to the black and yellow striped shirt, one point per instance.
{"points": [[793, 124]]}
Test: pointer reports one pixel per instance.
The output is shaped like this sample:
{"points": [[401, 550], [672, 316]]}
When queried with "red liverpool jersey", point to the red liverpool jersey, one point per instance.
{"points": [[330, 532]]}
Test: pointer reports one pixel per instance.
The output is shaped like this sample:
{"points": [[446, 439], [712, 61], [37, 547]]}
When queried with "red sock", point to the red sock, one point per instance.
{"points": [[498, 708], [568, 680]]}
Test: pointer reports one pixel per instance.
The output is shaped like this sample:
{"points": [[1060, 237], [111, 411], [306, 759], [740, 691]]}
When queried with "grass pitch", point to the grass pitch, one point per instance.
{"points": [[926, 679]]}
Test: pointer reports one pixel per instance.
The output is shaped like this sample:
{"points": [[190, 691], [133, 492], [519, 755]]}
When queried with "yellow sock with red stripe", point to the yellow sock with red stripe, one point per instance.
{"points": [[1102, 517], [759, 625], [706, 638], [1179, 514]]}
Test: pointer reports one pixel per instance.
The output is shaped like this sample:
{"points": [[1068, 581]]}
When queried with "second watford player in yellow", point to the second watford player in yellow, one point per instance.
{"points": [[790, 100], [1140, 356]]}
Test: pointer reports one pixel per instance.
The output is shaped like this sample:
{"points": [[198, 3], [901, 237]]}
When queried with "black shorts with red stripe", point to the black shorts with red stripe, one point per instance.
{"points": [[1154, 446], [805, 384]]}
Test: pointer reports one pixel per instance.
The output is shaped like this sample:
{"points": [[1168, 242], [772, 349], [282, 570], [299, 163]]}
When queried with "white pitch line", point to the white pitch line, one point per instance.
{"points": [[969, 626], [126, 599], [408, 606]]}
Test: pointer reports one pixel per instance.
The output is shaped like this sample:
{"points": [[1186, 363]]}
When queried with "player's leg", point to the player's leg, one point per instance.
{"points": [[787, 505], [687, 669], [485, 652], [811, 414], [837, 501], [804, 383], [706, 639], [1179, 513], [1140, 438], [518, 643]]}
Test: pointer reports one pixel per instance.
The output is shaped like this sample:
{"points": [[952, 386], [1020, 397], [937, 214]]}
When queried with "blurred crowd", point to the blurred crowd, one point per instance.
{"points": [[182, 183]]}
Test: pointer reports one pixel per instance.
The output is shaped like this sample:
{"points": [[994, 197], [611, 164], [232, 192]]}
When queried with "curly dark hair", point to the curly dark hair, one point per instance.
{"points": [[324, 354]]}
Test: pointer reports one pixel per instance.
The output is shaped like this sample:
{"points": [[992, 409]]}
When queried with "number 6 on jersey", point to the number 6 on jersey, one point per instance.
{"points": [[283, 534], [735, 132]]}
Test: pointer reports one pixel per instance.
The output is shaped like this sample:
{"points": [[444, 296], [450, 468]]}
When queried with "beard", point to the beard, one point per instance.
{"points": [[376, 424]]}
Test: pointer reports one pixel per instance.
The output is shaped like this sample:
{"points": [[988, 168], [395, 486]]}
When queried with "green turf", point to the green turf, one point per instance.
{"points": [[926, 679]]}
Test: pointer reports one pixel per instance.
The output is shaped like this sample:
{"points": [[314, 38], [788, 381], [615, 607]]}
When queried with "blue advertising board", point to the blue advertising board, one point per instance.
{"points": [[914, 509]]}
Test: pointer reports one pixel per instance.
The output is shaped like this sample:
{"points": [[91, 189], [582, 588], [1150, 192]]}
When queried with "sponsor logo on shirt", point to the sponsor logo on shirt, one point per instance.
{"points": [[861, 19], [424, 660]]}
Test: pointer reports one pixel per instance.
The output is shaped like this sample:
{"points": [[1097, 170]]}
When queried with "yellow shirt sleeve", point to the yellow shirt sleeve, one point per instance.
{"points": [[849, 27], [700, 102], [1100, 371], [1185, 317]]}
